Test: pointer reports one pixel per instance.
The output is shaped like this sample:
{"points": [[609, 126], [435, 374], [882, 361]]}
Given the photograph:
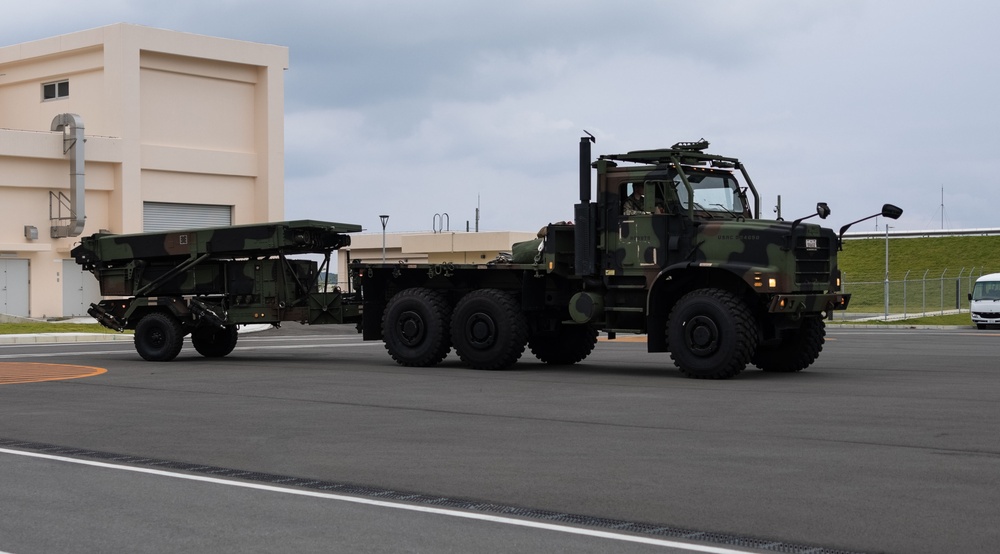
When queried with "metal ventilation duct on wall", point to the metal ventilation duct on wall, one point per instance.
{"points": [[73, 140]]}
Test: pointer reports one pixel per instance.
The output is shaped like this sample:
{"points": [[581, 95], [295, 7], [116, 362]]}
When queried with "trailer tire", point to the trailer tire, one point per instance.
{"points": [[213, 342], [798, 349], [568, 345], [712, 334], [415, 327], [158, 337], [488, 329]]}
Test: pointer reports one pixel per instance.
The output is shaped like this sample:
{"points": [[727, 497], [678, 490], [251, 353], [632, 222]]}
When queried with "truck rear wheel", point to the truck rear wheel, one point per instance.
{"points": [[158, 337], [214, 342], [568, 345], [415, 327], [712, 334], [488, 329], [798, 348]]}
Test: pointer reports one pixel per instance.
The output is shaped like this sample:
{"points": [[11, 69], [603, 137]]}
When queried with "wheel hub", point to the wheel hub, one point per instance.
{"points": [[481, 331], [411, 328], [702, 336]]}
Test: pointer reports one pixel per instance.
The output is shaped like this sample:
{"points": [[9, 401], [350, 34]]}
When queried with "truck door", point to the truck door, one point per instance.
{"points": [[637, 242]]}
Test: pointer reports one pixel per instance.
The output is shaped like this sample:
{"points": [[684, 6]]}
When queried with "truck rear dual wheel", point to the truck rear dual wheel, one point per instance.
{"points": [[214, 342], [568, 345], [488, 329], [415, 327], [158, 337], [712, 334], [798, 349]]}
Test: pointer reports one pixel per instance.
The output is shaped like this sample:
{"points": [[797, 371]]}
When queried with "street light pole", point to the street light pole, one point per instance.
{"points": [[887, 272], [385, 220]]}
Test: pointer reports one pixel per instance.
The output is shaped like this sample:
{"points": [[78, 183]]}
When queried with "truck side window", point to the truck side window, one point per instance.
{"points": [[634, 195]]}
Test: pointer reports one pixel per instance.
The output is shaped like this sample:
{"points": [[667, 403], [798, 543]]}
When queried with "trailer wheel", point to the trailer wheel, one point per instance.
{"points": [[568, 345], [158, 337], [415, 327], [213, 342], [712, 334], [488, 329], [798, 348]]}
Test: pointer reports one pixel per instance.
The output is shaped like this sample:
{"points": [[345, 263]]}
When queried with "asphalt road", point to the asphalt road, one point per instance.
{"points": [[306, 439]]}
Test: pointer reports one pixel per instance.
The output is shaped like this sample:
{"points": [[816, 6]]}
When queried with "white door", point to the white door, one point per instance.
{"points": [[80, 289], [14, 287]]}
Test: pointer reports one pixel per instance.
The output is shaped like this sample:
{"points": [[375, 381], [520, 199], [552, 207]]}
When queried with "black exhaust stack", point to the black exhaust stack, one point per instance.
{"points": [[585, 215]]}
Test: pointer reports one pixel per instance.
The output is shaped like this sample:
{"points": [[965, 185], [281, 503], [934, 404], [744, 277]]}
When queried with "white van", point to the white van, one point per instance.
{"points": [[984, 301]]}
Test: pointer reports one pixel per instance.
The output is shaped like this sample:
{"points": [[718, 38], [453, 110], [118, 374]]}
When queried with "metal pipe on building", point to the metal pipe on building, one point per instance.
{"points": [[73, 141]]}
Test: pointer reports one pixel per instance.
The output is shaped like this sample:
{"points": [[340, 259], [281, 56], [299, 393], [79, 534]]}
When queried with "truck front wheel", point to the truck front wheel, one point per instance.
{"points": [[488, 329], [797, 350], [712, 334], [415, 327], [567, 345], [214, 342], [158, 337]]}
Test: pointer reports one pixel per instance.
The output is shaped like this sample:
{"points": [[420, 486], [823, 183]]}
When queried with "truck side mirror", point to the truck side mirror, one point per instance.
{"points": [[822, 210]]}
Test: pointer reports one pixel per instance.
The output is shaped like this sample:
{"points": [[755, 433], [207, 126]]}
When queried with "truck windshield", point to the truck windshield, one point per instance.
{"points": [[713, 192]]}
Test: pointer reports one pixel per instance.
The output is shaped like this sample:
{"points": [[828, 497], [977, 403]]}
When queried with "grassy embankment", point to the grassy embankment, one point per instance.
{"points": [[937, 272]]}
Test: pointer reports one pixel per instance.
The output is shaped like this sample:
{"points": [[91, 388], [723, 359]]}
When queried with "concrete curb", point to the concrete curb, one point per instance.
{"points": [[52, 338]]}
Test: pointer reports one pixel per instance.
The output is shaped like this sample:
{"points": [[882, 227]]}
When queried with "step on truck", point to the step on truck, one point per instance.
{"points": [[673, 248]]}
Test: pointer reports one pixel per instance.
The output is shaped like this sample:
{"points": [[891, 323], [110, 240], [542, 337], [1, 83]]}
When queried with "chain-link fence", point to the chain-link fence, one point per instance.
{"points": [[926, 293]]}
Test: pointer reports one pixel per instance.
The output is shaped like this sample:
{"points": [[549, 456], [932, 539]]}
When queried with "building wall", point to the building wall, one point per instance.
{"points": [[168, 116], [434, 248]]}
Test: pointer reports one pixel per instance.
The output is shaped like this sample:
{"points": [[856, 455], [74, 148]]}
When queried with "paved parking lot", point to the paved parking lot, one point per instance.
{"points": [[887, 444]]}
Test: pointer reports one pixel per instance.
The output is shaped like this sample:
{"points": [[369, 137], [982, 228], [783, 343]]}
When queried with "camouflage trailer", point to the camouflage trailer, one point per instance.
{"points": [[206, 282], [673, 248]]}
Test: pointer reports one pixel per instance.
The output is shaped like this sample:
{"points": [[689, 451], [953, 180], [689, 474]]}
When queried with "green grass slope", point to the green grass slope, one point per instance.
{"points": [[939, 271]]}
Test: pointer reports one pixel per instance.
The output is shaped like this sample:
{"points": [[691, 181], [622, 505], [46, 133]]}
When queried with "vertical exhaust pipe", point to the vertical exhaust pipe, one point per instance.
{"points": [[585, 167], [73, 139], [585, 216]]}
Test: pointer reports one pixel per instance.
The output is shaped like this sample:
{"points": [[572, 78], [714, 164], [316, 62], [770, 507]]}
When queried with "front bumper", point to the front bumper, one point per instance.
{"points": [[808, 303]]}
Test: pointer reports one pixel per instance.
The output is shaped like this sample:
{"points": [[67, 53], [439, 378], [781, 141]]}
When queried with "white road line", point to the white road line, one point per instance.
{"points": [[386, 504], [299, 346]]}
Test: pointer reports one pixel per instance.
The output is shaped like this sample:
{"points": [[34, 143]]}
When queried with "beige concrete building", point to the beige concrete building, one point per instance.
{"points": [[435, 248], [177, 130]]}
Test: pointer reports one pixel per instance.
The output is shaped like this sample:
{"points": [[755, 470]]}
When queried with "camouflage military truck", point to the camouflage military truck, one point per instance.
{"points": [[206, 282], [686, 260]]}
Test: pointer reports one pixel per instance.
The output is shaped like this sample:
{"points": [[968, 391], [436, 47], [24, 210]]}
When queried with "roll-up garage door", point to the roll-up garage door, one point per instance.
{"points": [[168, 216]]}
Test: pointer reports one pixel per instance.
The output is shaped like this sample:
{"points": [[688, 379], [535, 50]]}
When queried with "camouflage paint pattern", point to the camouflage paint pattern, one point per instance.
{"points": [[646, 262], [218, 276]]}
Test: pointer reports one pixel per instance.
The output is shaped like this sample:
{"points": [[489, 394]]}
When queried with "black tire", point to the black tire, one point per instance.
{"points": [[568, 345], [980, 326], [415, 327], [158, 337], [798, 349], [488, 329], [213, 342], [712, 334]]}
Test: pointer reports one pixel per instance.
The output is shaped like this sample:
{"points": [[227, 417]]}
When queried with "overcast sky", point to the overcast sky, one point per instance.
{"points": [[437, 106]]}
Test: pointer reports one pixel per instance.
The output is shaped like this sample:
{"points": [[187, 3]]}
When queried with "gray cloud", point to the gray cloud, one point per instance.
{"points": [[417, 108]]}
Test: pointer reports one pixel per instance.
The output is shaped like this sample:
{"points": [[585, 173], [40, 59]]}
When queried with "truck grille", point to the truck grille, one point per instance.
{"points": [[812, 260]]}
